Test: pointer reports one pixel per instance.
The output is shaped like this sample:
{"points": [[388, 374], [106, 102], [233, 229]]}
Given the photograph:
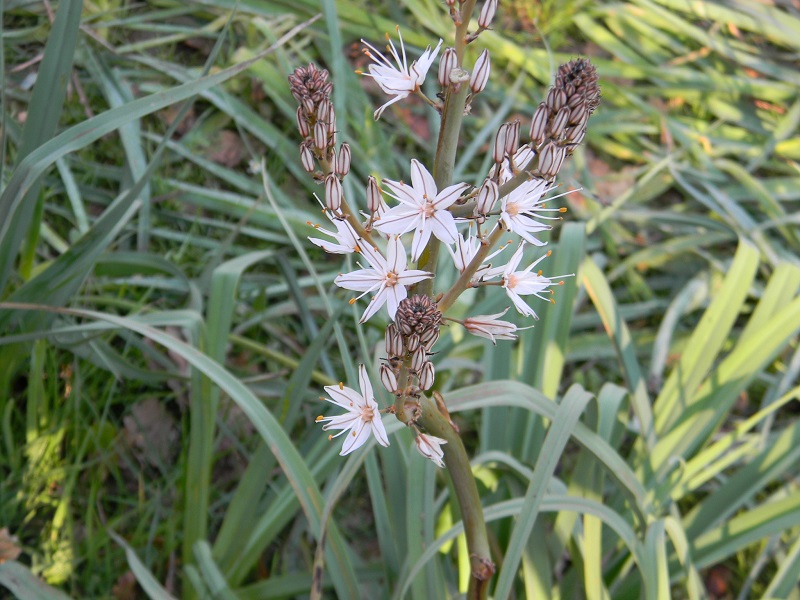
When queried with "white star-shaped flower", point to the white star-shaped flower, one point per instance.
{"points": [[362, 417], [387, 277], [524, 283], [518, 207], [430, 446], [346, 238], [421, 208], [400, 80]]}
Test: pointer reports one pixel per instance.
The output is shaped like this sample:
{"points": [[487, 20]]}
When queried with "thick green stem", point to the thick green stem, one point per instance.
{"points": [[428, 415], [426, 412]]}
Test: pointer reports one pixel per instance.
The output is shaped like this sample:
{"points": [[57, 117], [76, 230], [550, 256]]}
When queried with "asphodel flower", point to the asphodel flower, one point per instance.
{"points": [[422, 208], [387, 277], [398, 79], [362, 417]]}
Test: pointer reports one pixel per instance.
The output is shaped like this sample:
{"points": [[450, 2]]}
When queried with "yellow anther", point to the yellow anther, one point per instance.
{"points": [[560, 283], [540, 273], [318, 419], [352, 301], [341, 385], [330, 437], [549, 253], [563, 209]]}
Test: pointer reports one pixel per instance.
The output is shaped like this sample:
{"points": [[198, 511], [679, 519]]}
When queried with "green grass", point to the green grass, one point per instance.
{"points": [[640, 441]]}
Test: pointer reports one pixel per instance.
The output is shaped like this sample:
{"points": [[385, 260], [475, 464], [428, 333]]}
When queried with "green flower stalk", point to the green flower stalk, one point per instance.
{"points": [[429, 211]]}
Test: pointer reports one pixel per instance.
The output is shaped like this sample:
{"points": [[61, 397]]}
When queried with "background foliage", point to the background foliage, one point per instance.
{"points": [[166, 329]]}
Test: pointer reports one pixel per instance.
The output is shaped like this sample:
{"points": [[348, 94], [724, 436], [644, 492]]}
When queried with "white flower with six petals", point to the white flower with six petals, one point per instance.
{"points": [[422, 208], [400, 80], [387, 277], [362, 417], [524, 283]]}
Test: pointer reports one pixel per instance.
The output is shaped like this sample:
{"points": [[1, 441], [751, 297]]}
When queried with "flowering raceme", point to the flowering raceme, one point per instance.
{"points": [[474, 223], [469, 221]]}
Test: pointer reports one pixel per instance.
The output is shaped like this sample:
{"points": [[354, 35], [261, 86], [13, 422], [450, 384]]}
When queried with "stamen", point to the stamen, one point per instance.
{"points": [[341, 385]]}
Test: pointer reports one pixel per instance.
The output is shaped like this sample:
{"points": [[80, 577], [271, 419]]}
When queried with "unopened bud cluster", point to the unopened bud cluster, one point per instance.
{"points": [[559, 123], [409, 341], [316, 122]]}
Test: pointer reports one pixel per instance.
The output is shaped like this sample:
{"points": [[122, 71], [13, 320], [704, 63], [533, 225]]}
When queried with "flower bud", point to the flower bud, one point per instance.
{"points": [[480, 73], [539, 124], [547, 158], [576, 134], [374, 196], [324, 111], [332, 122], [302, 123], [487, 14], [320, 136], [558, 161], [308, 106], [412, 342], [333, 193], [343, 163], [522, 157], [499, 152], [394, 342], [426, 376], [512, 138], [556, 98], [388, 379], [418, 358], [430, 337], [333, 162], [579, 115], [559, 123], [307, 158], [487, 196], [447, 63]]}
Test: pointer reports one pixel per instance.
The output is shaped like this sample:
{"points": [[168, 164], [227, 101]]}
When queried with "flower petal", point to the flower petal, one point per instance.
{"points": [[444, 227], [422, 181], [356, 439], [367, 397]]}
